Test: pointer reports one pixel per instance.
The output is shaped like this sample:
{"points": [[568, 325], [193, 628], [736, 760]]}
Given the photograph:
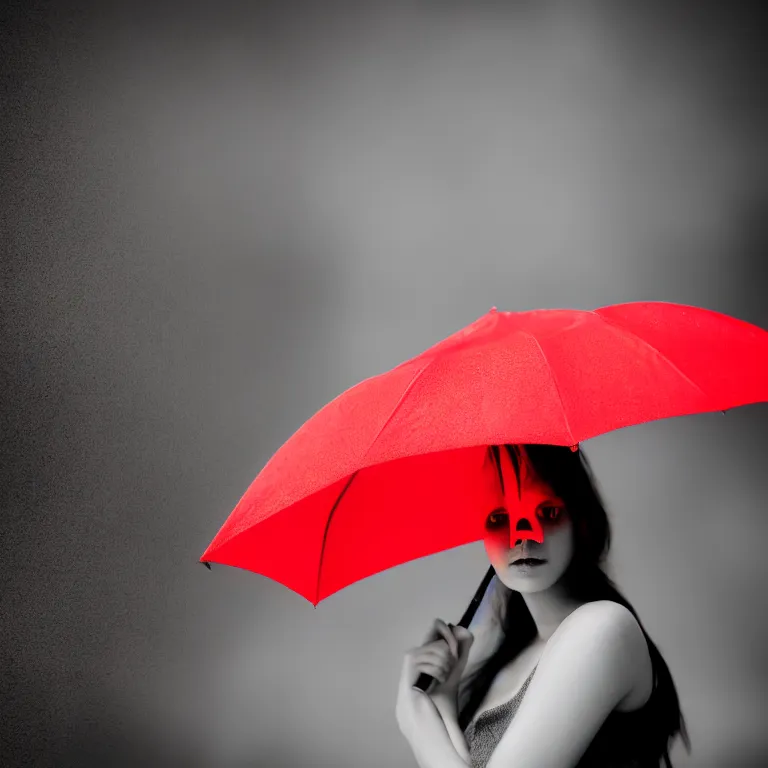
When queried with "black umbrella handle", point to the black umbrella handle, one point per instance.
{"points": [[425, 680]]}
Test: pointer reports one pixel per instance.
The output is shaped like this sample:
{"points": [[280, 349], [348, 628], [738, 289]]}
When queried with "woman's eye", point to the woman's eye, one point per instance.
{"points": [[495, 519], [551, 513]]}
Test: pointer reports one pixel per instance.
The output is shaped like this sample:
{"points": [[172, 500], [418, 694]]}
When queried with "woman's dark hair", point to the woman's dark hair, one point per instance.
{"points": [[569, 474]]}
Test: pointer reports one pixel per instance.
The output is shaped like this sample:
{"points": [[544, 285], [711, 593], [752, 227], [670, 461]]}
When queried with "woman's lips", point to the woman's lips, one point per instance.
{"points": [[529, 561]]}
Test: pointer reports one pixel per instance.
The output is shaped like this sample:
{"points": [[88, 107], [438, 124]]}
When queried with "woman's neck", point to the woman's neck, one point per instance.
{"points": [[548, 608]]}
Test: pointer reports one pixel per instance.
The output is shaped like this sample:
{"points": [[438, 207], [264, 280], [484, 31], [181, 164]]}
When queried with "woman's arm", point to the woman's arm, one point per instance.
{"points": [[442, 717], [430, 741], [448, 707], [486, 628]]}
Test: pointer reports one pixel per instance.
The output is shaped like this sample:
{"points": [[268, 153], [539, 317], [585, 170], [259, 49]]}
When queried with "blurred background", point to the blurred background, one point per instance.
{"points": [[217, 217]]}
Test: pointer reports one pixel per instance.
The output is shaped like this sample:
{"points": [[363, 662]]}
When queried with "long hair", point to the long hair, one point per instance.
{"points": [[569, 474]]}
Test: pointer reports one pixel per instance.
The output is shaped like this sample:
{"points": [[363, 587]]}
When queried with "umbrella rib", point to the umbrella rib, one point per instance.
{"points": [[325, 534], [651, 347], [399, 403], [554, 381]]}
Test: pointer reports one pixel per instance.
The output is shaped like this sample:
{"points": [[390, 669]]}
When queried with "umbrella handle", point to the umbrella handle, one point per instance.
{"points": [[425, 680]]}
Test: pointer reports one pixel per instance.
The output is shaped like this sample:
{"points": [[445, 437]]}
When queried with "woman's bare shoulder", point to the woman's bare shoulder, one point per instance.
{"points": [[602, 613], [606, 616]]}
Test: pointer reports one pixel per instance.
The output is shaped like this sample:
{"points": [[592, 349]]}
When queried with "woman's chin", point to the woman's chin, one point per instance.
{"points": [[528, 580]]}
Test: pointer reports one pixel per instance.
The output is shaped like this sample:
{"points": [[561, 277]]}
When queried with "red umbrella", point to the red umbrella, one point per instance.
{"points": [[356, 490]]}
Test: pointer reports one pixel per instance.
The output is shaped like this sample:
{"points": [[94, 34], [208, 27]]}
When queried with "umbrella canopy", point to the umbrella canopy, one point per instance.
{"points": [[397, 468]]}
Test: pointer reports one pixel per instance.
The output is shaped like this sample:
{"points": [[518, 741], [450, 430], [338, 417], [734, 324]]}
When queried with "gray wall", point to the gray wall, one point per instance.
{"points": [[215, 220]]}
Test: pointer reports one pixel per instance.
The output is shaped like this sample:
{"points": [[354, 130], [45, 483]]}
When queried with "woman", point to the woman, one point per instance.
{"points": [[556, 670]]}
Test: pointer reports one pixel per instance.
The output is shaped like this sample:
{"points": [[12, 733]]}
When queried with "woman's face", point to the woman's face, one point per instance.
{"points": [[537, 501]]}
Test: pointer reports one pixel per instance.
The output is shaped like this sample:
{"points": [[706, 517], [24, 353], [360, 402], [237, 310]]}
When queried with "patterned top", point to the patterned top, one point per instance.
{"points": [[618, 743]]}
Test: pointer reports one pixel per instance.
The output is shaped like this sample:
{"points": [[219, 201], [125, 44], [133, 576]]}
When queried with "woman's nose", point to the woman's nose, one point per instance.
{"points": [[521, 527]]}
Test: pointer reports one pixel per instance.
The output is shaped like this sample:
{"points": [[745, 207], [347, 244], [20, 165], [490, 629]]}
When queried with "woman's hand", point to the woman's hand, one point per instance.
{"points": [[443, 655]]}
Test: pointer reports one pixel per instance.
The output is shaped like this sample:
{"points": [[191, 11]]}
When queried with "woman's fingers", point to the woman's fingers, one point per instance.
{"points": [[439, 656], [449, 637], [439, 653], [435, 670], [435, 662]]}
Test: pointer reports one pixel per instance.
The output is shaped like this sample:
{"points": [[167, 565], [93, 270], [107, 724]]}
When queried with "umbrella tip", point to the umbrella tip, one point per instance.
{"points": [[207, 565], [574, 448]]}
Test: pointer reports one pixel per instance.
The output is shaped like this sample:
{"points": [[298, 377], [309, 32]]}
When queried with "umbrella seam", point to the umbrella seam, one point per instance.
{"points": [[554, 381], [400, 402], [651, 347]]}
